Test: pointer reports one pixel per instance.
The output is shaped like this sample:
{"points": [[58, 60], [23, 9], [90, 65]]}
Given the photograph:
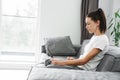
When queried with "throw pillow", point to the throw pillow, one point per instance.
{"points": [[59, 46]]}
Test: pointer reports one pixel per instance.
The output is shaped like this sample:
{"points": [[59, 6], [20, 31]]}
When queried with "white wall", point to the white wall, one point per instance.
{"points": [[60, 18], [107, 6], [116, 5]]}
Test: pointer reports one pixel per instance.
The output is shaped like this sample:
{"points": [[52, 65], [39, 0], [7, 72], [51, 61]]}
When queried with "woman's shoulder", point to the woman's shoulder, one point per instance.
{"points": [[101, 38], [104, 36]]}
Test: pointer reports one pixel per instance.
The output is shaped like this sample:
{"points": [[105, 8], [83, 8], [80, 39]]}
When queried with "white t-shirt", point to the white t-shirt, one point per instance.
{"points": [[100, 42]]}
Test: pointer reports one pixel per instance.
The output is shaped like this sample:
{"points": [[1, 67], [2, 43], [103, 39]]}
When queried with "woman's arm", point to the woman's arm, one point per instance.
{"points": [[75, 62]]}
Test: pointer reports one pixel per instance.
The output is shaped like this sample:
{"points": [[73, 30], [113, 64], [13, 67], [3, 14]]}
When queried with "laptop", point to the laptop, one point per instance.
{"points": [[60, 67]]}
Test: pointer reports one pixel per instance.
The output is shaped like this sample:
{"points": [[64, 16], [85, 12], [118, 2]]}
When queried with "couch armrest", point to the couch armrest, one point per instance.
{"points": [[77, 48], [43, 50]]}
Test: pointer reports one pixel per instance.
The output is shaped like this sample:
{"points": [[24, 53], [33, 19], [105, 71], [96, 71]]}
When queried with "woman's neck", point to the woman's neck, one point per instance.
{"points": [[98, 33]]}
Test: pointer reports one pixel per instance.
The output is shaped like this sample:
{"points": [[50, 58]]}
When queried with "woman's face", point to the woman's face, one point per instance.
{"points": [[91, 25]]}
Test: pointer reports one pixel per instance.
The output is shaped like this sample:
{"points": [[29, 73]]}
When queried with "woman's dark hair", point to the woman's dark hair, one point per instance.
{"points": [[99, 15]]}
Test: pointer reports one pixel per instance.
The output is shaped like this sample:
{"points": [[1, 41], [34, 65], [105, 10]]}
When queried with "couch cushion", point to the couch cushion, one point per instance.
{"points": [[111, 60], [59, 46]]}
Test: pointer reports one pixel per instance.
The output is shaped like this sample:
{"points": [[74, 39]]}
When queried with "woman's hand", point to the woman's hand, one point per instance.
{"points": [[70, 58], [57, 62], [61, 62], [54, 61]]}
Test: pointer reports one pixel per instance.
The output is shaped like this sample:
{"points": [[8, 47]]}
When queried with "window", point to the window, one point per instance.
{"points": [[18, 29]]}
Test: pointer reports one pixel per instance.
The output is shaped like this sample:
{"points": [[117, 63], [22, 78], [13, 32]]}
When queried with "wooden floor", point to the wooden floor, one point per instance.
{"points": [[13, 74]]}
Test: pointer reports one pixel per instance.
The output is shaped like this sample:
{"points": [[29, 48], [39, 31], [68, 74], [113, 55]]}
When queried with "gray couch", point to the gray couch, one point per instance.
{"points": [[110, 62], [108, 69]]}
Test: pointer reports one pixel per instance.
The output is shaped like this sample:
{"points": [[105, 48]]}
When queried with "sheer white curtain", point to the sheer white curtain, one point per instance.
{"points": [[0, 26], [19, 30]]}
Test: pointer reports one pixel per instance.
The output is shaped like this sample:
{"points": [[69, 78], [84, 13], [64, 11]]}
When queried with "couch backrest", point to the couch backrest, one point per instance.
{"points": [[111, 60]]}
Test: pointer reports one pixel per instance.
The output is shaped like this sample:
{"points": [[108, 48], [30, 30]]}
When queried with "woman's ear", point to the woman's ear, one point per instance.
{"points": [[98, 22]]}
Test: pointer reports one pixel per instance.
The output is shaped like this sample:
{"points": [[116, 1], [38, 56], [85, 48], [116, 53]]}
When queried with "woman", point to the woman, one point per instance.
{"points": [[97, 46]]}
